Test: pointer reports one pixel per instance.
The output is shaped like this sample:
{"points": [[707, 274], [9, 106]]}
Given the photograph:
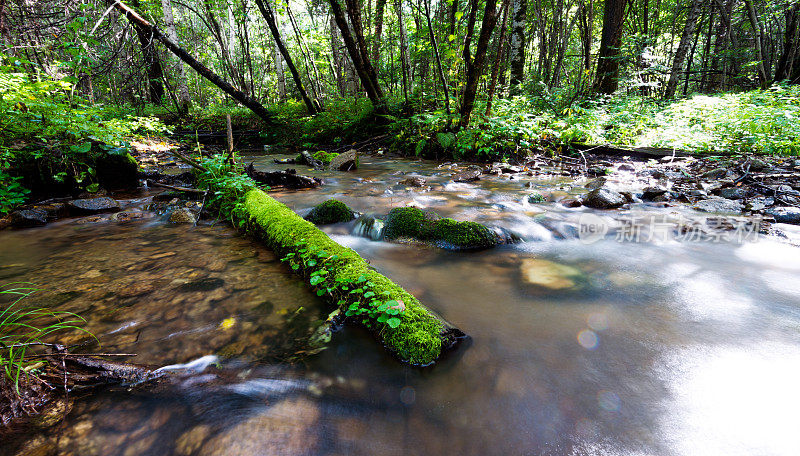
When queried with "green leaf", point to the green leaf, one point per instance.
{"points": [[393, 322]]}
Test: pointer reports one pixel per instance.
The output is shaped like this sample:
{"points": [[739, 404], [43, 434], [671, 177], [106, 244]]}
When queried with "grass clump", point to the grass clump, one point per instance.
{"points": [[331, 211]]}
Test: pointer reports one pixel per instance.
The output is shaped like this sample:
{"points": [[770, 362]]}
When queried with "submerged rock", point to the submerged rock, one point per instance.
{"points": [[603, 198], [785, 214], [346, 161], [718, 205], [548, 275], [93, 205], [331, 211], [182, 215]]}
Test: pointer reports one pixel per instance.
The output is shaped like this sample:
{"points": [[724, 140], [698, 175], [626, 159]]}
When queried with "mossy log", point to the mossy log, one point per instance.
{"points": [[419, 339]]}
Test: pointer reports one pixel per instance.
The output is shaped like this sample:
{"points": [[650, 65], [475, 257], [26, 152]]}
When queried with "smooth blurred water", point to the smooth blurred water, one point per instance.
{"points": [[674, 348]]}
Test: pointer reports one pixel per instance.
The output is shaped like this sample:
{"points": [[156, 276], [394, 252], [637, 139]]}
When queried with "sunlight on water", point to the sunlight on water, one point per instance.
{"points": [[735, 401]]}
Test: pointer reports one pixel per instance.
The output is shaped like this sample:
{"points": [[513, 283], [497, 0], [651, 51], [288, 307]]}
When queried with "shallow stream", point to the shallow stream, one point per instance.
{"points": [[624, 348]]}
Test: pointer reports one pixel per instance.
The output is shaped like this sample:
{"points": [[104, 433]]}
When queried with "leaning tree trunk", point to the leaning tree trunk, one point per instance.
{"points": [[266, 11], [683, 47], [519, 10], [183, 88], [358, 53], [475, 66], [201, 69], [607, 78]]}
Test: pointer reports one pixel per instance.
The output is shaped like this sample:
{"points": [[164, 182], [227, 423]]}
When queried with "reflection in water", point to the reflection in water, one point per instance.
{"points": [[667, 349]]}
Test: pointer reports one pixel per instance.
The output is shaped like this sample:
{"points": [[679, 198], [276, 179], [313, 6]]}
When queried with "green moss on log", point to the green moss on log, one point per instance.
{"points": [[331, 211]]}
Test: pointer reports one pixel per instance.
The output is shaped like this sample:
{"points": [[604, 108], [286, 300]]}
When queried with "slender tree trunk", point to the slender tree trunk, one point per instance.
{"points": [[308, 59], [683, 47], [201, 69], [404, 58], [607, 77], [155, 73], [720, 58], [266, 11], [438, 57], [693, 52], [501, 42], [519, 11], [184, 101], [791, 43], [217, 32], [475, 66], [357, 51], [754, 22], [380, 5]]}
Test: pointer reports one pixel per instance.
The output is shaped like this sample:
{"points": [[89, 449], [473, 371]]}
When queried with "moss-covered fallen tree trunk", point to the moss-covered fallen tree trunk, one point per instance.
{"points": [[407, 328]]}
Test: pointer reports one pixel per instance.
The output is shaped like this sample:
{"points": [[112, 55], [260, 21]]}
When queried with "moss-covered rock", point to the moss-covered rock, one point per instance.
{"points": [[325, 157], [404, 222], [117, 171], [331, 211], [460, 235]]}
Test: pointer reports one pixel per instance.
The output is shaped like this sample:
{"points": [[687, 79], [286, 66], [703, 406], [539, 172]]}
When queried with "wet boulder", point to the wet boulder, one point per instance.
{"points": [[718, 205], [117, 171], [331, 211], [469, 175], [785, 214], [26, 218], [594, 184], [182, 215], [413, 182], [571, 202], [404, 222], [716, 173], [652, 192], [604, 198], [449, 233], [733, 193], [347, 161], [93, 205]]}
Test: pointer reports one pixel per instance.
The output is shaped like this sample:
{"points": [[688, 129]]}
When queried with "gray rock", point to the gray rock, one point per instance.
{"points": [[757, 165], [26, 218], [346, 161], [603, 198], [626, 167], [93, 205], [716, 173], [785, 214], [759, 204], [594, 184], [733, 193], [653, 191], [182, 215], [469, 175], [717, 205], [413, 182]]}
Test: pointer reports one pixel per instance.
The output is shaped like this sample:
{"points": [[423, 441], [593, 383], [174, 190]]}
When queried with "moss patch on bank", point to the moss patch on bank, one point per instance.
{"points": [[405, 326]]}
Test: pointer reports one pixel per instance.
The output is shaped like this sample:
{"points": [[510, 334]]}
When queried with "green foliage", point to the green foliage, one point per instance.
{"points": [[23, 328], [226, 187], [331, 211]]}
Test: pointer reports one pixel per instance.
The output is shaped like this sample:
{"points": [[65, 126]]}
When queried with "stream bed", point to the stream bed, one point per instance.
{"points": [[576, 347]]}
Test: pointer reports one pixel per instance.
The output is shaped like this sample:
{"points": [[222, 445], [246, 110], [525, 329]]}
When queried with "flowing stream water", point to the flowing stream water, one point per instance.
{"points": [[602, 348]]}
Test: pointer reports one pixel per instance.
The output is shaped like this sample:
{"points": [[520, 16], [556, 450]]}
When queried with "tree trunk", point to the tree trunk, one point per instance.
{"points": [[184, 101], [501, 42], [201, 69], [380, 5], [438, 58], [155, 73], [519, 10], [475, 66], [404, 58], [217, 32], [266, 11], [307, 58], [791, 43], [357, 51], [607, 78], [720, 57], [754, 22], [683, 47]]}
